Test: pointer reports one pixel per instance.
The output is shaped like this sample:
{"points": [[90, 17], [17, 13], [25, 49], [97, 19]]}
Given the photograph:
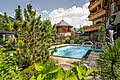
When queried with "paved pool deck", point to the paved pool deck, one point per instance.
{"points": [[92, 59], [93, 54], [62, 60], [62, 45], [65, 63]]}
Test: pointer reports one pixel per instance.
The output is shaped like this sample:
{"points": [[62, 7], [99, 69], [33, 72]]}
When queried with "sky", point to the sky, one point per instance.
{"points": [[75, 12]]}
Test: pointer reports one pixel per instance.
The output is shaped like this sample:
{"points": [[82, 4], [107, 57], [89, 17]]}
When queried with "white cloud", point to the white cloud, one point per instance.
{"points": [[44, 11], [44, 18], [75, 16], [1, 13], [37, 14]]}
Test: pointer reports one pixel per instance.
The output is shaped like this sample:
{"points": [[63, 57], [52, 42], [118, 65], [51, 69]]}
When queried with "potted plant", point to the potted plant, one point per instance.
{"points": [[1, 42]]}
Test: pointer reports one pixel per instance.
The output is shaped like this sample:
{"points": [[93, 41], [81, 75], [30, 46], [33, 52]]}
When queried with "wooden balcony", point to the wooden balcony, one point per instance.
{"points": [[91, 0], [97, 14], [93, 6], [92, 28]]}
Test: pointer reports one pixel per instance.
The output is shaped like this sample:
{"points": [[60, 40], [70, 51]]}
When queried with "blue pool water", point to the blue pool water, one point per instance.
{"points": [[72, 51]]}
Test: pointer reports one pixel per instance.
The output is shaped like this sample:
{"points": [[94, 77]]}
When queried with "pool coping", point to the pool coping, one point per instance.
{"points": [[62, 45]]}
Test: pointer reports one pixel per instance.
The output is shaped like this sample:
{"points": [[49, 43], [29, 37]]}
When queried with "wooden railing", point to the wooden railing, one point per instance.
{"points": [[97, 14], [91, 0], [92, 28], [94, 5]]}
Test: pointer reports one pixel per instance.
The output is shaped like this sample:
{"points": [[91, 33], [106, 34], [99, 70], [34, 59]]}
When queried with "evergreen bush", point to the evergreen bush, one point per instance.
{"points": [[109, 62], [1, 42], [67, 40], [76, 40]]}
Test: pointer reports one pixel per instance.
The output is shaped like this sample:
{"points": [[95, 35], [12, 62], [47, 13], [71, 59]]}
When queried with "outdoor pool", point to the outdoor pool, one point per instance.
{"points": [[72, 51]]}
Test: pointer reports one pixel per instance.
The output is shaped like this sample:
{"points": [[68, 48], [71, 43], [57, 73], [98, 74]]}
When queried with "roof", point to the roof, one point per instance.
{"points": [[11, 18], [6, 32], [63, 23]]}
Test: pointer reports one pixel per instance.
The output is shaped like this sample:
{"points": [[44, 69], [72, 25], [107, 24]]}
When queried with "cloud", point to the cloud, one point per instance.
{"points": [[44, 18], [37, 14], [44, 11], [75, 16], [1, 13]]}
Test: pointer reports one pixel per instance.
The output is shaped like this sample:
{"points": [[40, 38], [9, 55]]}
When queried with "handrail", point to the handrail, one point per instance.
{"points": [[92, 27], [93, 3], [92, 14]]}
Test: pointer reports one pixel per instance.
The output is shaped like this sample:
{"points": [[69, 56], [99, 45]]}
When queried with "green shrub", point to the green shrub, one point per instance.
{"points": [[76, 40], [27, 73], [52, 72], [47, 71], [86, 38], [1, 42], [8, 68], [67, 40], [81, 38], [109, 62]]}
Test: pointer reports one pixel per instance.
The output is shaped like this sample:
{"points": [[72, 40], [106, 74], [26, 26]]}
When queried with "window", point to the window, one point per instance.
{"points": [[68, 29], [118, 7], [113, 7]]}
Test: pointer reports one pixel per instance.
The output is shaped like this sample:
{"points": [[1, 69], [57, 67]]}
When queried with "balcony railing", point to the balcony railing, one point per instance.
{"points": [[92, 28], [94, 5], [97, 14], [91, 0]]}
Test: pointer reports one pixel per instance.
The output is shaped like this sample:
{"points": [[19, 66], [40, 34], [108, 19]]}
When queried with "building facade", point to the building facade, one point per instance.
{"points": [[97, 16], [63, 29], [112, 19]]}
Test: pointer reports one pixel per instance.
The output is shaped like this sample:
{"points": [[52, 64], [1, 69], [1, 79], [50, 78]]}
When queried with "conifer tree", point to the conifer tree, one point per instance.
{"points": [[5, 22], [18, 15], [36, 37], [18, 21]]}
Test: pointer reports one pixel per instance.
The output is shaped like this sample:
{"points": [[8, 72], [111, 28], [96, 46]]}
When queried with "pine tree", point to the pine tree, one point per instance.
{"points": [[5, 23], [36, 37], [18, 21], [18, 15]]}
